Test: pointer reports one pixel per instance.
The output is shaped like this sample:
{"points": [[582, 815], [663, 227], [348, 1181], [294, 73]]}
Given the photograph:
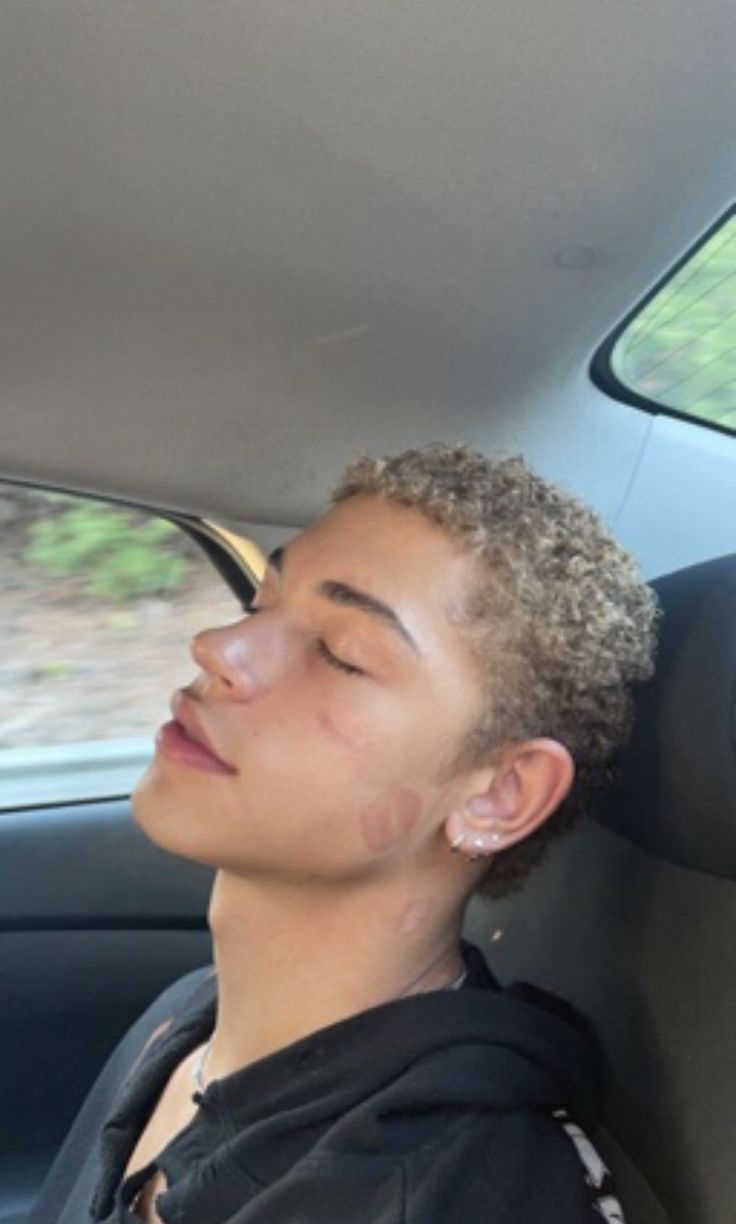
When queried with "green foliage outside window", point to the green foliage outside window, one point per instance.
{"points": [[115, 557], [680, 350]]}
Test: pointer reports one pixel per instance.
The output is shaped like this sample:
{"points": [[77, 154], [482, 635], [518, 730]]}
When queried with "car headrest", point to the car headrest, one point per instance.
{"points": [[676, 793]]}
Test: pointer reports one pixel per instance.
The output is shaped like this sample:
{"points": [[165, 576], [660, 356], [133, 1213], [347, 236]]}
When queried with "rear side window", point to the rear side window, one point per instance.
{"points": [[678, 350], [98, 604]]}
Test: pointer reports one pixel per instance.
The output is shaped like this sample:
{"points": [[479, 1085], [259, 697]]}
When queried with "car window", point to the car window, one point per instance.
{"points": [[98, 604], [678, 350]]}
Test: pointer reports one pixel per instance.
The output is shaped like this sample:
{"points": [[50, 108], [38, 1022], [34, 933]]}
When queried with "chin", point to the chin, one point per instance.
{"points": [[162, 813], [149, 794], [151, 807]]}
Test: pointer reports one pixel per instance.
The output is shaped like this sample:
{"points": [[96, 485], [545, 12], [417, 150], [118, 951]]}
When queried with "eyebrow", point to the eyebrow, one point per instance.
{"points": [[350, 597]]}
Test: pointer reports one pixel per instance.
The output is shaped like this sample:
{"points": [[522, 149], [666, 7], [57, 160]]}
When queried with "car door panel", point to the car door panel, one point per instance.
{"points": [[94, 922]]}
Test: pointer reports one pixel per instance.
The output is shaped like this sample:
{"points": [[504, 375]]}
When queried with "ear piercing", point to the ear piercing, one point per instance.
{"points": [[478, 844], [479, 847]]}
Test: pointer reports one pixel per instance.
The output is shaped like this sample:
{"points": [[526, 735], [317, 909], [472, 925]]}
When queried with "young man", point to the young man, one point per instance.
{"points": [[430, 681]]}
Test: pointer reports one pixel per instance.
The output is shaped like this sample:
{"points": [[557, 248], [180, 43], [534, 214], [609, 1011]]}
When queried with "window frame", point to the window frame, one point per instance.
{"points": [[236, 566], [601, 370]]}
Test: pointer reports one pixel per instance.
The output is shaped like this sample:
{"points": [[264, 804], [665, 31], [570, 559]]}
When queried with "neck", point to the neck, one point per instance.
{"points": [[291, 961]]}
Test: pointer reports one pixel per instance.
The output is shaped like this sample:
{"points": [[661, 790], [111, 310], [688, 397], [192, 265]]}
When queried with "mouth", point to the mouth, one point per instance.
{"points": [[185, 741]]}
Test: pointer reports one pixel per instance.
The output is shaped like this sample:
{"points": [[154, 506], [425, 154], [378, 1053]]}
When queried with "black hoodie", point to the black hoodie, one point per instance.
{"points": [[451, 1107]]}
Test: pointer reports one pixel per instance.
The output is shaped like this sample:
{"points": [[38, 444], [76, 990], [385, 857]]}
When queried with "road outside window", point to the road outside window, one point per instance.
{"points": [[97, 606]]}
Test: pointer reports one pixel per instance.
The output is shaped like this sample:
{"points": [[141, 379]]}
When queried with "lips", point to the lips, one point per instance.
{"points": [[189, 728]]}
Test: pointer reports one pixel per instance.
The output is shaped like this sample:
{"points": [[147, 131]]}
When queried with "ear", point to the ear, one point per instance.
{"points": [[505, 804]]}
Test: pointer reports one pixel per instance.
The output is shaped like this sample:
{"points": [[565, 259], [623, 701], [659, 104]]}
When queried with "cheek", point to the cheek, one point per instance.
{"points": [[388, 822], [348, 732]]}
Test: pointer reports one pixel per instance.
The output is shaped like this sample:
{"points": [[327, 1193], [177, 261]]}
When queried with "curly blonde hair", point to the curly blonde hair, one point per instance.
{"points": [[560, 621]]}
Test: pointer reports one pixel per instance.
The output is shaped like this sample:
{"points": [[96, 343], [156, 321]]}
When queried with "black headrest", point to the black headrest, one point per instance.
{"points": [[676, 796]]}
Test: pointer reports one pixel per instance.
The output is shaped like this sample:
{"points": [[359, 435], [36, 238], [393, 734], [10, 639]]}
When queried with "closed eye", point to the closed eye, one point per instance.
{"points": [[323, 649], [325, 653]]}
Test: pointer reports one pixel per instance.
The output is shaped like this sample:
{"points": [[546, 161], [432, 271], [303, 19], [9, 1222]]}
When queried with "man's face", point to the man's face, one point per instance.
{"points": [[338, 705]]}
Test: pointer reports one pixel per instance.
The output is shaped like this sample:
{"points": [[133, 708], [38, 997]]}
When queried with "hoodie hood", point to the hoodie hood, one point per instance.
{"points": [[478, 1047], [365, 1100]]}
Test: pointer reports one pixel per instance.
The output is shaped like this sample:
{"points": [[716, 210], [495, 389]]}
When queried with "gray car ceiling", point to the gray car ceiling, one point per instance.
{"points": [[241, 241]]}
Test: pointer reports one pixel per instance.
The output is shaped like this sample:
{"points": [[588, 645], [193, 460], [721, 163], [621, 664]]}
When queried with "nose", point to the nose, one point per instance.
{"points": [[227, 657]]}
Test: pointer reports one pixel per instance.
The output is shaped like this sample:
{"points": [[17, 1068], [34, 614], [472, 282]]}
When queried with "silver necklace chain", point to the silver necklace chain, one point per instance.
{"points": [[198, 1068]]}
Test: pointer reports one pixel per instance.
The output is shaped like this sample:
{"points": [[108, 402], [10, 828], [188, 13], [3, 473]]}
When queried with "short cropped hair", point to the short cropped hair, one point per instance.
{"points": [[560, 620]]}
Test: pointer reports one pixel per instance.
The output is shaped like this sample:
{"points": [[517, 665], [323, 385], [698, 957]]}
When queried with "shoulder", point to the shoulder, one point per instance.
{"points": [[594, 1171], [74, 1174], [533, 1164]]}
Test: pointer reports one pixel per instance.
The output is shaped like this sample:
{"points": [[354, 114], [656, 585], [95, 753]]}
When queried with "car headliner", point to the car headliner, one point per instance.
{"points": [[242, 241]]}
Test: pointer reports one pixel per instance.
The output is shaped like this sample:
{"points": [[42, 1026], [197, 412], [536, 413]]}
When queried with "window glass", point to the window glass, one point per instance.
{"points": [[98, 604], [680, 349]]}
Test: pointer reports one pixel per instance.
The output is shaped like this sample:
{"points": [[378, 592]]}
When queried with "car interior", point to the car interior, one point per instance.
{"points": [[244, 243]]}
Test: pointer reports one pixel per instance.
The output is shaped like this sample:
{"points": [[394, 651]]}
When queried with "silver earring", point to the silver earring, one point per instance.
{"points": [[457, 842], [496, 838], [479, 847]]}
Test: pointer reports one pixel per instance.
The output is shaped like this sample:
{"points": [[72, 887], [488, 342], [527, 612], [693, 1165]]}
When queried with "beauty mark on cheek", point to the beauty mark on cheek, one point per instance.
{"points": [[388, 822]]}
